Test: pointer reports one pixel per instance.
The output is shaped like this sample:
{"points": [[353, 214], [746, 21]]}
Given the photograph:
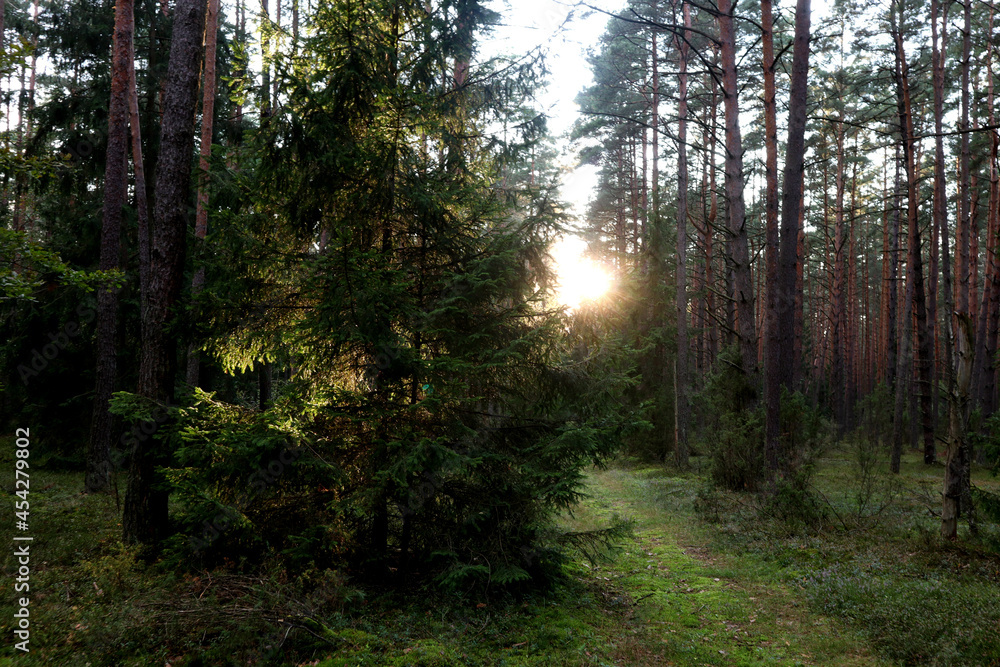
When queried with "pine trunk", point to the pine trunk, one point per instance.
{"points": [[115, 190], [139, 172], [738, 246], [957, 458], [681, 409], [772, 350], [204, 166], [145, 513], [922, 348]]}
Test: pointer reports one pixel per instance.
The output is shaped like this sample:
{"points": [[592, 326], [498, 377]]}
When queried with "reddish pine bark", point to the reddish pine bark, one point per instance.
{"points": [[115, 188]]}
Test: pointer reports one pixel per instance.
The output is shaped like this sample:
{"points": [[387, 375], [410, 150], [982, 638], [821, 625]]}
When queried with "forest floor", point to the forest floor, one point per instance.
{"points": [[851, 575]]}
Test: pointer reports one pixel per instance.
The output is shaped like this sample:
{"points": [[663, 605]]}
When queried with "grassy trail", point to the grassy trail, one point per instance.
{"points": [[697, 608], [676, 592]]}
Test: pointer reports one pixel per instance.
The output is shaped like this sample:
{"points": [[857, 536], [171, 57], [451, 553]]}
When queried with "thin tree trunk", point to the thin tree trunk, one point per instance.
{"points": [[940, 194], [713, 215], [681, 409], [115, 189], [145, 513], [139, 172], [896, 356], [654, 220], [984, 371], [963, 263], [265, 65], [839, 291], [772, 351], [903, 373], [204, 166]]}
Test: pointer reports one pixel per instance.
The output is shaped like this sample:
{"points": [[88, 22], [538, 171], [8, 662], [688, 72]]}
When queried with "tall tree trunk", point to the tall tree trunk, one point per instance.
{"points": [[839, 292], [681, 409], [145, 512], [940, 212], [991, 291], [788, 283], [922, 348], [772, 335], [654, 219], [957, 459], [891, 260], [139, 172], [984, 372], [799, 305], [738, 246], [204, 166], [963, 261], [265, 65], [904, 370], [26, 107], [713, 215], [115, 189], [851, 324]]}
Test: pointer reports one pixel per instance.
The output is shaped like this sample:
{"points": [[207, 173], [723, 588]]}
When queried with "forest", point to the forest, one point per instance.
{"points": [[288, 375]]}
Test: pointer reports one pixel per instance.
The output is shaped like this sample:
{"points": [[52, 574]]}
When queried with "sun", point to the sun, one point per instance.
{"points": [[578, 278]]}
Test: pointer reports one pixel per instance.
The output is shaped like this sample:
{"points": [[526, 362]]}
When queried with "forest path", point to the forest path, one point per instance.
{"points": [[684, 604]]}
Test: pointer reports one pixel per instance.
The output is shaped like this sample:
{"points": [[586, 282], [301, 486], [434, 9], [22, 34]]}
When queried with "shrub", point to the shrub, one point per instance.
{"points": [[918, 621]]}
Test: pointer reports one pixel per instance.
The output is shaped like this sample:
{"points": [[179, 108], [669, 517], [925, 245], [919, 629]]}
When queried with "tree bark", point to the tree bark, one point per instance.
{"points": [[922, 349], [957, 460], [838, 335], [786, 290], [792, 192], [940, 195], [681, 409], [772, 335], [115, 189], [139, 173], [145, 512], [963, 261], [738, 246], [265, 65], [984, 371], [204, 166]]}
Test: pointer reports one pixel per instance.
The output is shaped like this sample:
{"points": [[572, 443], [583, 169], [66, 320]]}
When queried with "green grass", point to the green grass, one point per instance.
{"points": [[726, 585]]}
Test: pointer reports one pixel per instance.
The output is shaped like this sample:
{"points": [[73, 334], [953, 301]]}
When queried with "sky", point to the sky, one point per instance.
{"points": [[565, 30]]}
